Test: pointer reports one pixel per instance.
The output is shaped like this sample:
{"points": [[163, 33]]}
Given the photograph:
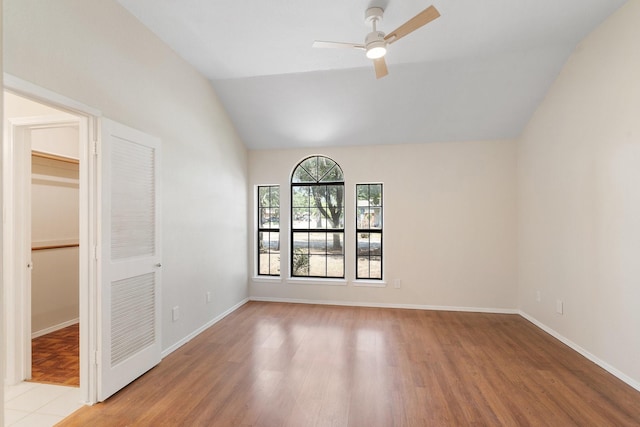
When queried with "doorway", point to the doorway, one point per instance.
{"points": [[43, 148], [44, 143]]}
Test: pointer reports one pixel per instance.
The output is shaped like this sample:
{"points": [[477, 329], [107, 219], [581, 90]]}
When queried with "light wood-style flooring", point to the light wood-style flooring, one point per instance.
{"points": [[273, 364], [56, 357]]}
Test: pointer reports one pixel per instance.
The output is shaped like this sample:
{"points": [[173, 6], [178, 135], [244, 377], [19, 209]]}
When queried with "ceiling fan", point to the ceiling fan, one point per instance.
{"points": [[376, 42]]}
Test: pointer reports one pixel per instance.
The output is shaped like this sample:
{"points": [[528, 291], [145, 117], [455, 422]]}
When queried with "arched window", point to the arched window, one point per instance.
{"points": [[317, 219]]}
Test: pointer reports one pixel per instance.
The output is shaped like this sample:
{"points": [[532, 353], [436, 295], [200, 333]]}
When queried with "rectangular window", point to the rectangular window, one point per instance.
{"points": [[269, 230], [369, 231], [317, 230]]}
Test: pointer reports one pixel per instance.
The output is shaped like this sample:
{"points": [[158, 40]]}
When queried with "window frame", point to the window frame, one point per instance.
{"points": [[260, 229], [359, 230], [317, 182]]}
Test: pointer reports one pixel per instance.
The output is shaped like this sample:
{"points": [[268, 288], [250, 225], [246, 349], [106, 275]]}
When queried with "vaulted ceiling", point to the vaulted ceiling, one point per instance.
{"points": [[476, 73]]}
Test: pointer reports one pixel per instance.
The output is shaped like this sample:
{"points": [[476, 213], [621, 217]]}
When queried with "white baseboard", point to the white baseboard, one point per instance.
{"points": [[604, 365], [387, 305], [201, 329], [54, 328]]}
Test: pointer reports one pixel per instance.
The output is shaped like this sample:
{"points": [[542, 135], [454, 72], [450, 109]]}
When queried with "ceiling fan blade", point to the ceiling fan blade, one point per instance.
{"points": [[323, 44], [422, 18], [380, 66]]}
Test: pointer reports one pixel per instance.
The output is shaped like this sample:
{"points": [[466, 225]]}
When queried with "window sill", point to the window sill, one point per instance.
{"points": [[370, 283], [316, 281], [267, 279]]}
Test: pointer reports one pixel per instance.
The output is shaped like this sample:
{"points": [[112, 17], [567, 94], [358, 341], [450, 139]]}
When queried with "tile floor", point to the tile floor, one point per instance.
{"points": [[38, 405]]}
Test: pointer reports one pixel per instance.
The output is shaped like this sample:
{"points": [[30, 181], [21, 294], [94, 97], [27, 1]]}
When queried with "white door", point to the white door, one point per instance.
{"points": [[129, 256]]}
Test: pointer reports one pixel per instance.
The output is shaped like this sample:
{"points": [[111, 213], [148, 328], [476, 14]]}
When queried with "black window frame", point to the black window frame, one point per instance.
{"points": [[362, 229], [261, 229], [328, 183]]}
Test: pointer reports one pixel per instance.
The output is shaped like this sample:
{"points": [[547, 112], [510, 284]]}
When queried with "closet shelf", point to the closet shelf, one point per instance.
{"points": [[50, 156], [45, 247]]}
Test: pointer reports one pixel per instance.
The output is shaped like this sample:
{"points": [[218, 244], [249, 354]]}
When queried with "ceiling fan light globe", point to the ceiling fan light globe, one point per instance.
{"points": [[376, 52]]}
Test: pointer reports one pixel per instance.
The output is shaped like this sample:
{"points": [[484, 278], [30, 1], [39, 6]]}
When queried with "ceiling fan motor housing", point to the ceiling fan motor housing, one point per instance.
{"points": [[375, 44]]}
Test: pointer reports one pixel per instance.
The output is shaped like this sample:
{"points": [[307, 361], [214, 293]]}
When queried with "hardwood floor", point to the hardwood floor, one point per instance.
{"points": [[272, 364], [56, 357]]}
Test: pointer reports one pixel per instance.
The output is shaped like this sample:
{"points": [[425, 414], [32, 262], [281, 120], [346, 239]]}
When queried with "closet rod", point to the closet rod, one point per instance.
{"points": [[41, 248], [54, 157]]}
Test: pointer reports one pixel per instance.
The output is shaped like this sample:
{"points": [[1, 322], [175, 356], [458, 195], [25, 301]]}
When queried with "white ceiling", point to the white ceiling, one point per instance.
{"points": [[475, 73]]}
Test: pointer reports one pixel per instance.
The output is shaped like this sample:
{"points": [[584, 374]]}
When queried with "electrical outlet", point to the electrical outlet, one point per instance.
{"points": [[538, 296], [208, 297], [397, 283], [559, 307], [175, 313]]}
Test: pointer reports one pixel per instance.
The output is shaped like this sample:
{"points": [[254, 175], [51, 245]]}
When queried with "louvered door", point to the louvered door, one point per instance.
{"points": [[129, 260]]}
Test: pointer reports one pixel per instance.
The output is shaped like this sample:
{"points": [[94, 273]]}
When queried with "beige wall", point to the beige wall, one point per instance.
{"points": [[95, 52], [54, 289], [579, 198], [449, 223]]}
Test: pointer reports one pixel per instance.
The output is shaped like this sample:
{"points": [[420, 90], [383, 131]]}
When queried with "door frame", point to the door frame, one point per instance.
{"points": [[18, 245], [89, 180]]}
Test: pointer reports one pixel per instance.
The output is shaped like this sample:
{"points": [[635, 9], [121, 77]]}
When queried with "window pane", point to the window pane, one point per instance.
{"points": [[274, 197], [318, 195], [311, 166], [300, 197], [328, 170], [375, 194], [336, 222], [301, 218], [318, 265], [334, 175], [376, 218], [335, 202], [369, 244], [376, 244], [263, 196], [263, 215], [274, 217], [363, 268], [364, 248], [264, 242], [300, 263], [269, 218], [269, 253], [301, 242], [336, 195], [335, 266], [317, 218], [301, 175], [318, 243], [270, 241], [335, 243], [375, 268]]}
